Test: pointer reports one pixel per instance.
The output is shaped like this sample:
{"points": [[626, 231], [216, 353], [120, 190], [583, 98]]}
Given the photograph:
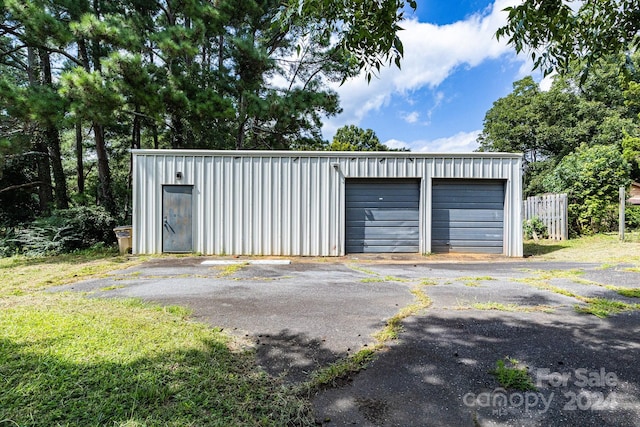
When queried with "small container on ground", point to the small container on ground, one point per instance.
{"points": [[124, 234]]}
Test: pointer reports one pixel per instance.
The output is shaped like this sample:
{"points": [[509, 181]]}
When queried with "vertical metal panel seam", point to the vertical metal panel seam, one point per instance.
{"points": [[135, 206], [428, 172], [318, 248]]}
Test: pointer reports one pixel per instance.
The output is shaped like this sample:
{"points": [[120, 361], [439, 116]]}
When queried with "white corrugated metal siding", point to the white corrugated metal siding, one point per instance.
{"points": [[293, 203]]}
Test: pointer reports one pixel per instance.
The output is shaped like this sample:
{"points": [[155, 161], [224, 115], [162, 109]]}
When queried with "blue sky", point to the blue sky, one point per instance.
{"points": [[452, 72]]}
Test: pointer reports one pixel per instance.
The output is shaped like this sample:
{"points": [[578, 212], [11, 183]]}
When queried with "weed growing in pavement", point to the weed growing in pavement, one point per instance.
{"points": [[394, 325], [384, 279], [372, 280], [542, 284], [512, 377], [511, 307], [377, 278], [362, 270], [230, 270], [111, 288], [599, 307], [629, 292], [603, 307], [341, 370], [474, 281], [607, 266]]}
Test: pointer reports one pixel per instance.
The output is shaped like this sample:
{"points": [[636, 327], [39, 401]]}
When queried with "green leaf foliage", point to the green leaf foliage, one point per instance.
{"points": [[353, 138], [66, 231], [591, 177], [367, 30], [535, 228], [555, 33]]}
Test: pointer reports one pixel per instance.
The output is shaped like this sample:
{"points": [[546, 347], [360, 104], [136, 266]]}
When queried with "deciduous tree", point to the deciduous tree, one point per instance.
{"points": [[591, 178], [353, 138], [556, 33]]}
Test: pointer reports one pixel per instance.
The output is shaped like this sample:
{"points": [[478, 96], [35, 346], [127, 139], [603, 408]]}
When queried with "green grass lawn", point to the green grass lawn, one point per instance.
{"points": [[66, 359], [601, 248]]}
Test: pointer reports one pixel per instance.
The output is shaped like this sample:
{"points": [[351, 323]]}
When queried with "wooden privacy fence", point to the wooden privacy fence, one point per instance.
{"points": [[551, 209]]}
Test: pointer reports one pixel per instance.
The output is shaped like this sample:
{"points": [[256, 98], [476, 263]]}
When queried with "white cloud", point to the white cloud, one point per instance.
{"points": [[438, 101], [395, 144], [411, 117], [431, 54], [462, 142], [546, 82]]}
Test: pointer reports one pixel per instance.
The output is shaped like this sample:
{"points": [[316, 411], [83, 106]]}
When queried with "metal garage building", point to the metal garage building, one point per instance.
{"points": [[325, 203]]}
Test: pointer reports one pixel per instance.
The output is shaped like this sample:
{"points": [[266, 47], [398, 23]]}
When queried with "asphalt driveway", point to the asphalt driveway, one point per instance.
{"points": [[308, 314]]}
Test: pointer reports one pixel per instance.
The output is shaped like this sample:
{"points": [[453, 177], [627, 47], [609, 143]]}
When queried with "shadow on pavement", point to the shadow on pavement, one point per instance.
{"points": [[585, 370], [292, 356]]}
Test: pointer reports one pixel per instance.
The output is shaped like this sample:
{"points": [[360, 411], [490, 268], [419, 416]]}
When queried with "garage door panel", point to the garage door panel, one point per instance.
{"points": [[382, 204], [382, 215], [480, 249], [467, 216], [400, 196], [413, 224], [384, 233], [447, 201], [457, 215], [465, 186], [382, 242], [488, 234], [465, 247], [368, 215], [467, 243], [466, 205], [383, 185], [457, 191], [470, 224], [381, 249]]}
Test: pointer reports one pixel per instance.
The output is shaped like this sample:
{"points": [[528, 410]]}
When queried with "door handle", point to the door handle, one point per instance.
{"points": [[165, 224]]}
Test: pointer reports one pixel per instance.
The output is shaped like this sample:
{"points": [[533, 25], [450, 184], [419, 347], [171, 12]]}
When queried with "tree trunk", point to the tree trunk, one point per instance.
{"points": [[45, 193], [79, 157], [242, 120], [105, 192], [156, 142], [52, 139], [220, 53], [136, 129], [83, 54], [178, 131]]}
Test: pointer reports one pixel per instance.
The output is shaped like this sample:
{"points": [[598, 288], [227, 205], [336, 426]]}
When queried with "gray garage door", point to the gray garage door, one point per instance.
{"points": [[467, 216], [383, 215]]}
